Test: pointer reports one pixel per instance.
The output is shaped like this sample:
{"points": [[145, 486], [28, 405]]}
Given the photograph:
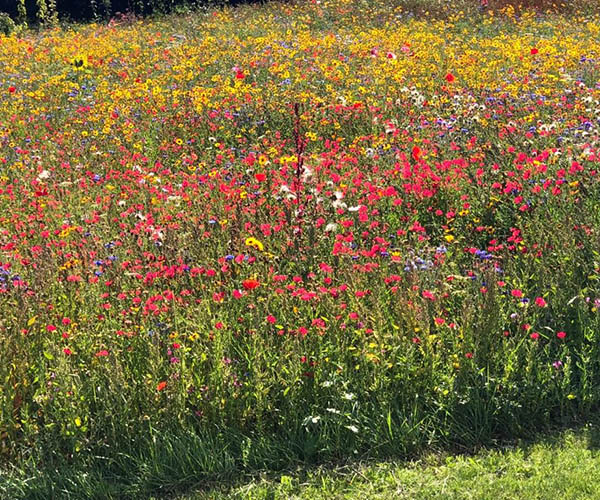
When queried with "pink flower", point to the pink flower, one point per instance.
{"points": [[516, 293], [561, 335], [540, 302], [535, 335]]}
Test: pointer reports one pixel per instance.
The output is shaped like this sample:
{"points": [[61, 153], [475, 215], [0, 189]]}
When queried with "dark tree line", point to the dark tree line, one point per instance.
{"points": [[50, 11]]}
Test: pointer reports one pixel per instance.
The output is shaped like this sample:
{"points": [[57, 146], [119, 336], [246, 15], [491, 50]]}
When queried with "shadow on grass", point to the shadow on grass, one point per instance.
{"points": [[197, 470], [582, 435]]}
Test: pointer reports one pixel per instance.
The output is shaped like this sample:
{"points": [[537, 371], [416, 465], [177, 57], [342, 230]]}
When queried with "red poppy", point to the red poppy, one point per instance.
{"points": [[250, 284], [534, 51], [161, 386], [449, 77], [416, 153], [260, 177]]}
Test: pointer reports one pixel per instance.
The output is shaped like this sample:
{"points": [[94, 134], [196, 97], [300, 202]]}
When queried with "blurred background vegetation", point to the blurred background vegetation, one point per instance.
{"points": [[50, 12]]}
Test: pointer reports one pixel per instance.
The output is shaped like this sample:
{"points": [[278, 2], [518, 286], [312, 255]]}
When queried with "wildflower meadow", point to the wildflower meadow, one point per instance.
{"points": [[243, 238]]}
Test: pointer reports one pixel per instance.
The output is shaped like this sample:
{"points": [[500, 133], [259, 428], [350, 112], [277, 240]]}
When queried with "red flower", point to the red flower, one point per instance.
{"points": [[12, 89], [161, 386], [540, 302], [416, 153], [260, 177], [449, 77], [561, 335], [535, 335], [102, 354], [534, 51], [250, 284]]}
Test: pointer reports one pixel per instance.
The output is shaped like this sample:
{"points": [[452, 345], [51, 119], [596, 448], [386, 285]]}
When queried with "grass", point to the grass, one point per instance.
{"points": [[565, 466], [562, 464]]}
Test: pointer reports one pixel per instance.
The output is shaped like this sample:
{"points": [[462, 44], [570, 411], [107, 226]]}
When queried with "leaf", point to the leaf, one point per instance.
{"points": [[49, 356], [77, 421]]}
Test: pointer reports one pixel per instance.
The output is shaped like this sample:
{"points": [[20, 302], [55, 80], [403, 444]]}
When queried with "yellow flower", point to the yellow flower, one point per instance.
{"points": [[254, 243], [80, 62]]}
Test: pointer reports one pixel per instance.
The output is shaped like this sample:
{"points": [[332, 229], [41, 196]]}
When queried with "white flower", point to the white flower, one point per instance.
{"points": [[44, 174]]}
